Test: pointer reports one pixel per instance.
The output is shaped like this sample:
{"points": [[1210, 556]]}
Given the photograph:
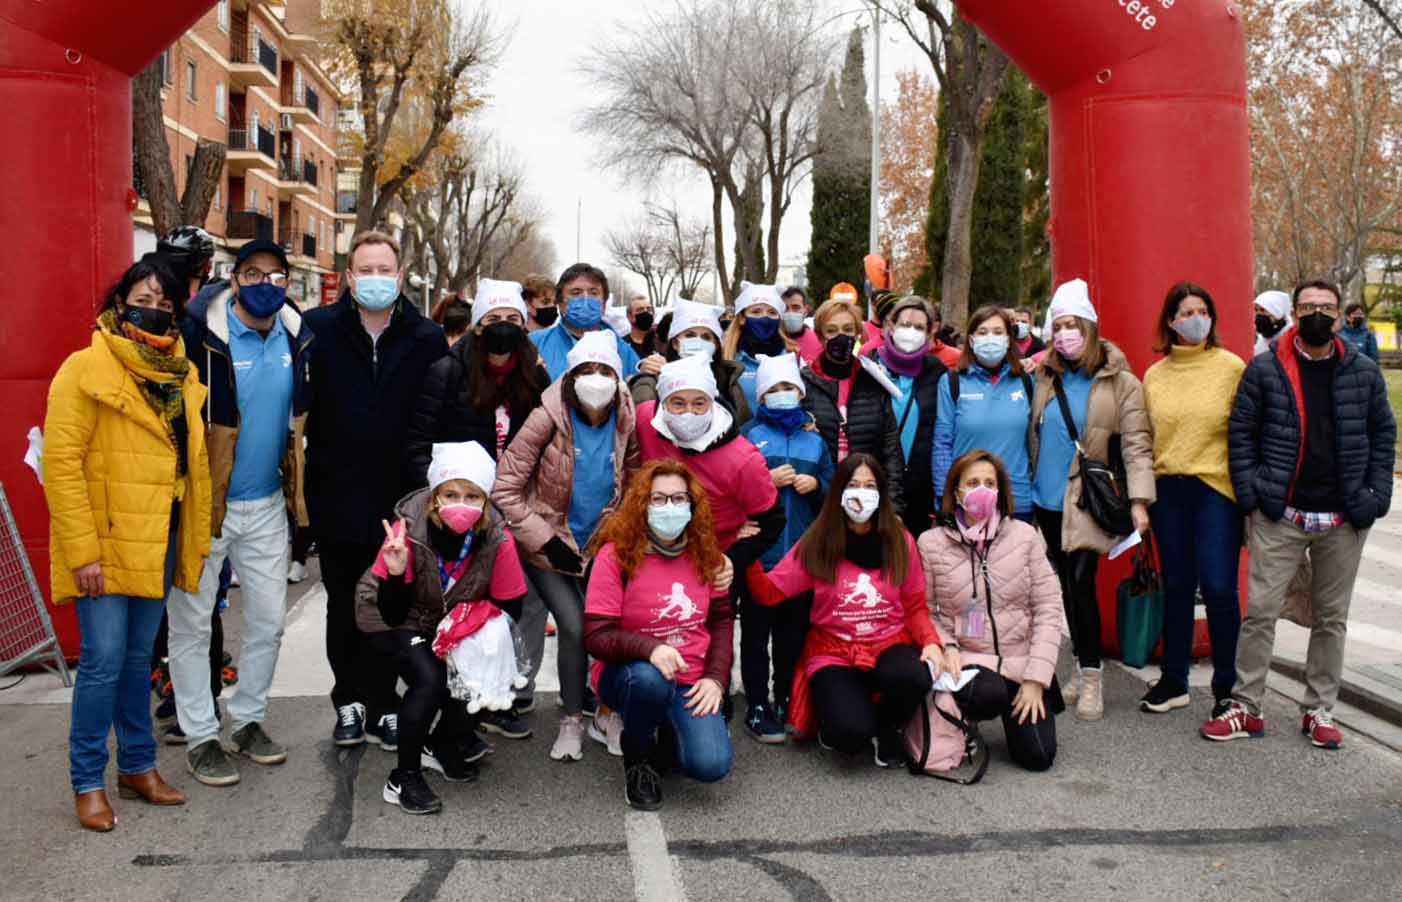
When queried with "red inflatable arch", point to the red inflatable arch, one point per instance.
{"points": [[1150, 172]]}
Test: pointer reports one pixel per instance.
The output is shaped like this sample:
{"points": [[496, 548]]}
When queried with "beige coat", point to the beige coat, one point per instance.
{"points": [[1116, 408]]}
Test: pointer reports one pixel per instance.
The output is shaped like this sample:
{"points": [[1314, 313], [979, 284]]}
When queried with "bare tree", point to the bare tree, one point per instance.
{"points": [[687, 247], [152, 152], [638, 248]]}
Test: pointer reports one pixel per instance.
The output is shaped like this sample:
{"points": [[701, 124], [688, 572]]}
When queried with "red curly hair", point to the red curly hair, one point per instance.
{"points": [[627, 528]]}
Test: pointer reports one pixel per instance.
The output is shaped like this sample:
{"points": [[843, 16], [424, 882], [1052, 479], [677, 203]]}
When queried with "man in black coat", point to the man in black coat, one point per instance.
{"points": [[1311, 444], [369, 354]]}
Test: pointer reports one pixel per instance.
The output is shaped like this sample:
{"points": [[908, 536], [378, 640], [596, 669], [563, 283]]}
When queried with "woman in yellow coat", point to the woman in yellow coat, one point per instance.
{"points": [[126, 476]]}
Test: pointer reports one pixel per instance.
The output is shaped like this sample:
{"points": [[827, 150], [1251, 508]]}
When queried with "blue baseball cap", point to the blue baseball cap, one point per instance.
{"points": [[261, 246]]}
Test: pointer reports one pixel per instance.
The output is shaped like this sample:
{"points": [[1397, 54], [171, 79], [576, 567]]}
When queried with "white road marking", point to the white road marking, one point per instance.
{"points": [[302, 669], [656, 877]]}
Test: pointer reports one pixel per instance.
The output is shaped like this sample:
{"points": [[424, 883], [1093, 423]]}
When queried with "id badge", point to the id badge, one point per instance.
{"points": [[975, 623]]}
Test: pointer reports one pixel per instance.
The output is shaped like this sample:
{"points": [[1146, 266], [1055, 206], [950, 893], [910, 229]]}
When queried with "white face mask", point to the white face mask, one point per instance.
{"points": [[860, 504], [687, 427], [909, 339], [697, 347], [595, 391]]}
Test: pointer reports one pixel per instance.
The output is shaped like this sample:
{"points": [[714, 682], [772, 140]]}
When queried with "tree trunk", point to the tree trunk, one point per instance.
{"points": [[964, 157], [718, 223], [206, 174], [365, 209], [152, 150]]}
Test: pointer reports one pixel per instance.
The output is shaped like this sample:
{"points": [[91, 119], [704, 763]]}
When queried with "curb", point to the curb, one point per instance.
{"points": [[1366, 695]]}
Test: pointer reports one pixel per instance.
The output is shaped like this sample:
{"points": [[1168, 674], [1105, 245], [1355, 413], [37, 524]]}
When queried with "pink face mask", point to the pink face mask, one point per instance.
{"points": [[1070, 343], [459, 517], [980, 503]]}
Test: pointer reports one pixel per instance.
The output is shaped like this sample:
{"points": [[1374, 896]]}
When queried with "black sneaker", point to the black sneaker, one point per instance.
{"points": [[409, 790], [642, 788], [449, 764], [173, 735], [591, 702], [890, 749], [761, 723], [504, 723], [350, 725], [165, 711], [473, 748], [1221, 706], [1164, 695], [523, 705], [385, 733]]}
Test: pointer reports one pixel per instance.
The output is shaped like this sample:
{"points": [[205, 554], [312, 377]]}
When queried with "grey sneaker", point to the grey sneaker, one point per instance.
{"points": [[569, 742], [211, 765], [251, 742]]}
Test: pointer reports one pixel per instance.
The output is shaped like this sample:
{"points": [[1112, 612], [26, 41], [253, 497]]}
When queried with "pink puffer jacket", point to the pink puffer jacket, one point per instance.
{"points": [[535, 475], [1026, 599]]}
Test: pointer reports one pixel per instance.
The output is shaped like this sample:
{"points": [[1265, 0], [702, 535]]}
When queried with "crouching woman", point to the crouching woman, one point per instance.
{"points": [[660, 624]]}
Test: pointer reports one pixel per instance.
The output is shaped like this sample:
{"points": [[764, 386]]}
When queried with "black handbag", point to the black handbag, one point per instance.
{"points": [[1104, 493]]}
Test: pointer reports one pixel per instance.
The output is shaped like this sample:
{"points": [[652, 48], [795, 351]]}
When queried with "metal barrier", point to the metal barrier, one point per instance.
{"points": [[26, 632]]}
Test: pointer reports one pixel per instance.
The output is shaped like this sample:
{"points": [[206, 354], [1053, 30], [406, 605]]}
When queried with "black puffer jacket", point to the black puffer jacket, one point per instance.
{"points": [[1265, 436], [919, 490], [870, 423], [444, 410]]}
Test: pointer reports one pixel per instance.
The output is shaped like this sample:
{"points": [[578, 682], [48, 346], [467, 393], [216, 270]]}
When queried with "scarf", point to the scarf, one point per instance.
{"points": [[979, 534], [787, 421], [500, 373], [657, 546], [901, 363], [864, 550], [160, 374], [836, 372]]}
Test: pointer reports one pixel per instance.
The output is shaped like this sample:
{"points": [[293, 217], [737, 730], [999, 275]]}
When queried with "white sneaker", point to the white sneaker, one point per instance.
{"points": [[234, 578], [297, 572], [569, 742], [607, 730]]}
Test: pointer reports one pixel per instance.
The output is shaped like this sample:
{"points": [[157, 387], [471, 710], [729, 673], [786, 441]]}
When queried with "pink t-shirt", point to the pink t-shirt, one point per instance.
{"points": [[859, 605], [810, 347], [508, 581], [664, 599]]}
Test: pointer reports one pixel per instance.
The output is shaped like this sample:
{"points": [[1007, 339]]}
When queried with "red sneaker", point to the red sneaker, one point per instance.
{"points": [[1233, 722], [1318, 725]]}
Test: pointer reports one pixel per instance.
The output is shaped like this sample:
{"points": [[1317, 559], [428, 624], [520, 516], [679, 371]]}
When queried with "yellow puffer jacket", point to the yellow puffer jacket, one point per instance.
{"points": [[109, 478]]}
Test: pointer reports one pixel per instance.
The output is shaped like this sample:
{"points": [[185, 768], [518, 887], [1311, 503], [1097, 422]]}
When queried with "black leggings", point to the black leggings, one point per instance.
{"points": [[426, 675], [1076, 571], [848, 718], [1032, 745], [787, 625]]}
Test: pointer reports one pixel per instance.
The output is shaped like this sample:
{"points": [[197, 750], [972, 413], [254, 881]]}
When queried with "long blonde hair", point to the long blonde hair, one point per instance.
{"points": [[730, 343]]}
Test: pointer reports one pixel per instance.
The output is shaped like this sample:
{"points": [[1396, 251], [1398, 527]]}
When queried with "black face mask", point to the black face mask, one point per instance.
{"points": [[502, 338], [1356, 322], [150, 320], [1316, 329], [1267, 327], [725, 323], [839, 348], [546, 316], [642, 322]]}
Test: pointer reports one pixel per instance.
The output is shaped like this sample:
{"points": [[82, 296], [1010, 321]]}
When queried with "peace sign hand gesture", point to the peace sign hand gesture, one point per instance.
{"points": [[394, 551]]}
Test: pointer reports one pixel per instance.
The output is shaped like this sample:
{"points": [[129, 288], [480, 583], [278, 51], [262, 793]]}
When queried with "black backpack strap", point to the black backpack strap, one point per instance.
{"points": [[954, 387], [1066, 411], [1027, 389]]}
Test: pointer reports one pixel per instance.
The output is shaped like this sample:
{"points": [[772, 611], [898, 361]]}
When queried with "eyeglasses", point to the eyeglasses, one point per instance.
{"points": [[657, 499], [252, 276], [1329, 310]]}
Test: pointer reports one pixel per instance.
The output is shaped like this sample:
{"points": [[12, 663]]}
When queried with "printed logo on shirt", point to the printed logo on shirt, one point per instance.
{"points": [[676, 606], [1017, 396], [862, 593], [973, 395], [243, 364], [286, 360]]}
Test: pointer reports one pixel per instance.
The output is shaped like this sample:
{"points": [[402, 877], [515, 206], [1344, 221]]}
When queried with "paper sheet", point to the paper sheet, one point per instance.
{"points": [[1129, 542], [876, 372], [34, 455], [946, 683]]}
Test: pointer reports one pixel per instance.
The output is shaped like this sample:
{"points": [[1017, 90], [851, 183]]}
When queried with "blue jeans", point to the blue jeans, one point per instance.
{"points": [[113, 685], [1199, 534], [638, 691]]}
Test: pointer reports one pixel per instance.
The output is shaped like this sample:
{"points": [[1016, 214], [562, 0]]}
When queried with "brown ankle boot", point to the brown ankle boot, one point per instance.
{"points": [[93, 811], [151, 787]]}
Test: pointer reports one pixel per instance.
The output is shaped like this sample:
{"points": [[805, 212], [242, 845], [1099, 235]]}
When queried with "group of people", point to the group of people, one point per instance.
{"points": [[881, 510]]}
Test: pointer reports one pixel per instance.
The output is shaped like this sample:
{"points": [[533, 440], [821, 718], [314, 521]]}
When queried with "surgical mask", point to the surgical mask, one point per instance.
{"points": [[909, 339], [642, 322], [502, 338], [839, 348], [1317, 329], [459, 517], [990, 350], [262, 300], [1069, 343], [980, 503], [697, 347], [1023, 330], [687, 427], [595, 390], [781, 400], [1267, 326], [860, 504], [1193, 330], [792, 322], [375, 293], [584, 312], [669, 520], [151, 320], [761, 329], [545, 315]]}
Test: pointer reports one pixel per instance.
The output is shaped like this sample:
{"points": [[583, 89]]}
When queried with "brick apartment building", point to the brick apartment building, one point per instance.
{"points": [[247, 74]]}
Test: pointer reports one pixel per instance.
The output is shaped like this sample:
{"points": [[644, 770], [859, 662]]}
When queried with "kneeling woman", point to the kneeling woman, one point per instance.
{"points": [[863, 670], [449, 546], [997, 600], [659, 621]]}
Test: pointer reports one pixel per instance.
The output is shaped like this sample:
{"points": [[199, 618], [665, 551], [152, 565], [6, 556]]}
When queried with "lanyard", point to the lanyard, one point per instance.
{"points": [[450, 576]]}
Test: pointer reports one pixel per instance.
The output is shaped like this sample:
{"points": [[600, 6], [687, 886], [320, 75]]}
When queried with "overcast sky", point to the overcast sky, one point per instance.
{"points": [[536, 97]]}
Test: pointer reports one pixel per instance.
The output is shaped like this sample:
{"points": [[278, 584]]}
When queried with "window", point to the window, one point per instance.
{"points": [[218, 196], [166, 77], [253, 199], [219, 100], [190, 73], [224, 16]]}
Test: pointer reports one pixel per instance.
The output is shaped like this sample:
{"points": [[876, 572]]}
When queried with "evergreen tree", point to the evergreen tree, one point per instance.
{"points": [[842, 178]]}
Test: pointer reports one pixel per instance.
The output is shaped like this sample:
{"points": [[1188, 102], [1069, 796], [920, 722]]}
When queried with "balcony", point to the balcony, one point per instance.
{"points": [[252, 63], [251, 149], [309, 246], [347, 203], [301, 103], [298, 244], [292, 178], [245, 225]]}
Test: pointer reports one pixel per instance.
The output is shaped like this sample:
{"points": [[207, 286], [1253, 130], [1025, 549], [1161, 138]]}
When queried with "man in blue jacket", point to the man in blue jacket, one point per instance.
{"points": [[1356, 332], [1311, 444], [580, 296]]}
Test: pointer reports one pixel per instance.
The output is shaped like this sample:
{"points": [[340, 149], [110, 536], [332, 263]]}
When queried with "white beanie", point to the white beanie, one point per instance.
{"points": [[616, 318], [599, 346], [686, 373], [1276, 303], [751, 294], [1072, 299], [691, 314], [495, 295], [462, 460], [773, 370]]}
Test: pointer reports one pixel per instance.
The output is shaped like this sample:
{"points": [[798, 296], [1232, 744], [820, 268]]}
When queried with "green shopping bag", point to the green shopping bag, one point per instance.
{"points": [[1139, 608]]}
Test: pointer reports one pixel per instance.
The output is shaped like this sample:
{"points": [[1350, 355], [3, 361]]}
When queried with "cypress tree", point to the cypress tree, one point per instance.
{"points": [[841, 214]]}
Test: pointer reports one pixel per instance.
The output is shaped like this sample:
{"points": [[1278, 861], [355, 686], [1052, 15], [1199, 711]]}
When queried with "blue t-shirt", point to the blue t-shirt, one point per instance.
{"points": [[748, 377], [1056, 450], [898, 407], [593, 476], [263, 379], [992, 414], [554, 345]]}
